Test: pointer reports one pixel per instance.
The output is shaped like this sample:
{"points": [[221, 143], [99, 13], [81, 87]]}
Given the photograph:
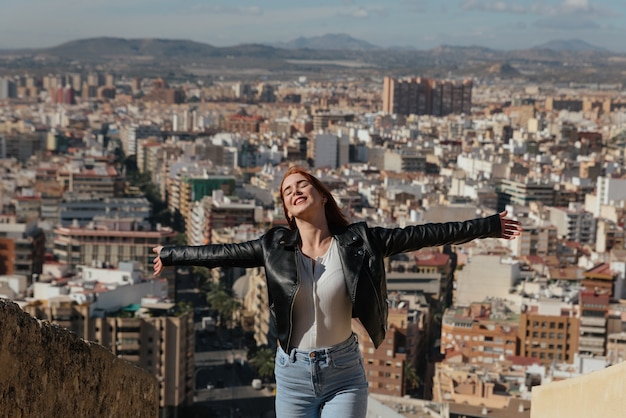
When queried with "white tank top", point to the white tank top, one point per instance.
{"points": [[322, 311]]}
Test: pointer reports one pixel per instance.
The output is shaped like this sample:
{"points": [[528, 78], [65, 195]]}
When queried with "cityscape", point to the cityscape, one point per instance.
{"points": [[102, 161]]}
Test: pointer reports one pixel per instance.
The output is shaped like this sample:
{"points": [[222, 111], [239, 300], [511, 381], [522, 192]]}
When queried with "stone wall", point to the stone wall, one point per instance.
{"points": [[47, 371], [596, 394]]}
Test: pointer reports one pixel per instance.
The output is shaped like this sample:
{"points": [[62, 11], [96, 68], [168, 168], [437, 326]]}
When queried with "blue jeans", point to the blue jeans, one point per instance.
{"points": [[328, 382]]}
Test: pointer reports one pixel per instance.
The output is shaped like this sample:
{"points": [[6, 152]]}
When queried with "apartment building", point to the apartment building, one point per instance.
{"points": [[513, 192], [81, 210], [549, 338], [574, 223], [616, 347], [536, 240], [479, 334], [216, 212], [242, 123], [95, 178], [593, 313], [330, 151], [159, 343], [422, 96], [22, 249], [384, 366], [193, 187], [109, 241], [601, 279]]}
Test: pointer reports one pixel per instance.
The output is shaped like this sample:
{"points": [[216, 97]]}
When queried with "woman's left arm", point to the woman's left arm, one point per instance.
{"points": [[413, 238], [511, 228]]}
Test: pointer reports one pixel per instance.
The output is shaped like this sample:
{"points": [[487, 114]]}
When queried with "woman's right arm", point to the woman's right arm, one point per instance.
{"points": [[245, 254]]}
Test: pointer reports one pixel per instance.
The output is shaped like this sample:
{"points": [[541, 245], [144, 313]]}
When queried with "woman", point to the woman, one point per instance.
{"points": [[321, 272]]}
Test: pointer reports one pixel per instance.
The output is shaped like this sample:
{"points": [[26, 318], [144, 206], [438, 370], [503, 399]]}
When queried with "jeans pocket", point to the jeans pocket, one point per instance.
{"points": [[282, 359], [346, 360]]}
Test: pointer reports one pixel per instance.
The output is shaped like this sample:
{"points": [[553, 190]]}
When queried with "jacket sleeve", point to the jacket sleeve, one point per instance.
{"points": [[246, 254], [411, 238]]}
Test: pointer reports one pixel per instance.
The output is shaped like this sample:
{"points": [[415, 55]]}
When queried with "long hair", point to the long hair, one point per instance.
{"points": [[334, 216]]}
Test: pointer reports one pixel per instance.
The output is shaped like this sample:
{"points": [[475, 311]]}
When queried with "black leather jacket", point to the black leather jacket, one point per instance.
{"points": [[362, 250]]}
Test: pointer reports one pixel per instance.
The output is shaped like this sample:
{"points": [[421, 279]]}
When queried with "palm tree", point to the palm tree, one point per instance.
{"points": [[223, 302], [411, 378], [263, 362]]}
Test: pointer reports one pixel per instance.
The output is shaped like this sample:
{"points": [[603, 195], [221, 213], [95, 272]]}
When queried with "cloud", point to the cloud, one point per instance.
{"points": [[492, 6], [362, 12], [566, 23], [237, 10], [415, 6], [564, 8]]}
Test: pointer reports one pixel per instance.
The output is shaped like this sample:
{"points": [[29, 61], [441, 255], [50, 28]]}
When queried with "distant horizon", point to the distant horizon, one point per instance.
{"points": [[284, 43], [416, 24]]}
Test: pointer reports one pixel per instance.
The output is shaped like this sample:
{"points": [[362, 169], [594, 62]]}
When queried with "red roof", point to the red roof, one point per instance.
{"points": [[431, 259], [522, 361]]}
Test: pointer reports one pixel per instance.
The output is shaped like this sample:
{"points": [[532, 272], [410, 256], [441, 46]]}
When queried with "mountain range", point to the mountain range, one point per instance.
{"points": [[556, 61]]}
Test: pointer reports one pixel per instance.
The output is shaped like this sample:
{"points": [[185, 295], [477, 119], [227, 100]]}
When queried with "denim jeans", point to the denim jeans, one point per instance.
{"points": [[327, 382]]}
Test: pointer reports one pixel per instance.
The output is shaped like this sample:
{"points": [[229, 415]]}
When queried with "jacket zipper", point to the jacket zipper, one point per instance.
{"points": [[380, 311], [293, 300]]}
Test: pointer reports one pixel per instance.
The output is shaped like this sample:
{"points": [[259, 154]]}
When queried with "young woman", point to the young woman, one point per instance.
{"points": [[321, 272]]}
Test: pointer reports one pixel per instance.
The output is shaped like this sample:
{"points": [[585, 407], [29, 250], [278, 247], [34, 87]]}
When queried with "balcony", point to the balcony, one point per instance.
{"points": [[592, 322], [591, 342]]}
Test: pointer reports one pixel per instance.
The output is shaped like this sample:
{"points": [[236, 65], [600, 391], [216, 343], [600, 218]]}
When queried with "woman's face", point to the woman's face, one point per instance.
{"points": [[300, 196]]}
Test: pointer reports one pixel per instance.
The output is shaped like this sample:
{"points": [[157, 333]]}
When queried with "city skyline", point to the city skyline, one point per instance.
{"points": [[421, 24]]}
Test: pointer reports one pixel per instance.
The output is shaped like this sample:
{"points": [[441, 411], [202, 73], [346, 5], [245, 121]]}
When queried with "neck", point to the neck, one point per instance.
{"points": [[313, 235]]}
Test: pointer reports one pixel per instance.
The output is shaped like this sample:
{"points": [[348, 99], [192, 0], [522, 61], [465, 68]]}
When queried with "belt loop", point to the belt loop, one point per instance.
{"points": [[292, 355]]}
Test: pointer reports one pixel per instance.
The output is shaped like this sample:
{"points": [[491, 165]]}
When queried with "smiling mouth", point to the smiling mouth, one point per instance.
{"points": [[299, 200]]}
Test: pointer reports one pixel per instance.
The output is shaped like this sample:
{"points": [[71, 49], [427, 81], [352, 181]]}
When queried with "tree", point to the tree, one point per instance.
{"points": [[262, 360], [222, 301], [411, 378]]}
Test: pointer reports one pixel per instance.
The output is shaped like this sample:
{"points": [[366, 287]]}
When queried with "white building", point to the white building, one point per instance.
{"points": [[485, 276], [610, 191], [330, 151]]}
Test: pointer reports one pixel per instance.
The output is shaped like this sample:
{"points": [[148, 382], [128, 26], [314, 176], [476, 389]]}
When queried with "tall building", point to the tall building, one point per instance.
{"points": [[216, 212], [8, 89], [330, 151], [422, 96], [549, 336], [574, 223], [159, 343], [593, 323], [130, 135], [193, 188], [609, 192], [384, 366]]}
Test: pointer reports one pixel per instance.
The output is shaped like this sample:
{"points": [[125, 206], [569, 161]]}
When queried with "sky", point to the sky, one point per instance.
{"points": [[422, 24]]}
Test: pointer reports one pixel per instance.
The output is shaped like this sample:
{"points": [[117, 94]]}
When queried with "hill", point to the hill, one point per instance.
{"points": [[325, 56]]}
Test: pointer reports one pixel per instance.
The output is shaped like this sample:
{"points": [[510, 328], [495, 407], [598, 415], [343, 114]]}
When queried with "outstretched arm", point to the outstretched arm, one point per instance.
{"points": [[511, 229], [158, 264]]}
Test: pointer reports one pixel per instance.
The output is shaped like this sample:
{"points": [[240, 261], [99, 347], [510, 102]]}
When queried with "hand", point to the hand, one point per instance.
{"points": [[511, 229], [158, 264]]}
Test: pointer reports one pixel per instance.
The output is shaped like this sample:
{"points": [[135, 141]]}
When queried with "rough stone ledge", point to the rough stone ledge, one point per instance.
{"points": [[45, 371]]}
